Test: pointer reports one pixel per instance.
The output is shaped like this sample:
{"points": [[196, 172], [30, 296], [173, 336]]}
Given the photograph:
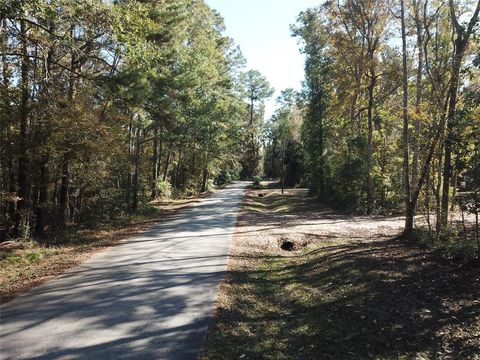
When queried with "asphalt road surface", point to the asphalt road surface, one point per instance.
{"points": [[151, 297]]}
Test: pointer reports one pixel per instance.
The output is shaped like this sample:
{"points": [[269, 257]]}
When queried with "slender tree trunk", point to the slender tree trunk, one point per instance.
{"points": [[461, 43], [436, 177], [42, 197], [254, 155], [64, 211], [23, 161], [251, 110], [353, 104], [447, 167], [406, 177], [179, 166], [136, 176], [438, 201], [12, 208], [359, 72], [321, 146], [194, 161], [426, 168], [160, 152], [129, 179], [454, 194], [155, 164], [167, 162], [283, 165], [370, 186], [205, 174], [427, 205], [419, 93], [204, 180], [44, 177], [63, 208], [274, 153], [319, 117], [7, 157]]}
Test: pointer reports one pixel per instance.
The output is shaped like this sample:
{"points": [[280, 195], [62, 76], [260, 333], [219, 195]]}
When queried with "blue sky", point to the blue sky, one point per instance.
{"points": [[262, 29]]}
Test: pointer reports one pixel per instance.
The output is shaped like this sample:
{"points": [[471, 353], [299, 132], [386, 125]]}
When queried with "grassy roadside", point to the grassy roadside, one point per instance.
{"points": [[27, 264], [350, 290]]}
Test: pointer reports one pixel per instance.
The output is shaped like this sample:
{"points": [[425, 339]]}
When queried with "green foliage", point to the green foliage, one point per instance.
{"points": [[448, 243], [164, 189], [102, 205], [282, 141], [226, 177], [318, 74], [26, 258], [122, 98], [257, 182], [352, 110], [256, 89]]}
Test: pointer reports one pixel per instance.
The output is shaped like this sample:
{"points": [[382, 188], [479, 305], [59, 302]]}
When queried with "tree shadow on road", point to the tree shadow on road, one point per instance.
{"points": [[149, 298]]}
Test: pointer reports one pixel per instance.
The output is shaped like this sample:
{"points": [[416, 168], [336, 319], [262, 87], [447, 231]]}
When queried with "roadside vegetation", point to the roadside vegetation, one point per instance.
{"points": [[387, 121], [350, 288], [25, 264], [106, 106]]}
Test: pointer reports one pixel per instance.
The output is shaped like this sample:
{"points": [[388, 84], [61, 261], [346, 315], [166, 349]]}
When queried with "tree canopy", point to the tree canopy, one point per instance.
{"points": [[389, 124], [107, 105]]}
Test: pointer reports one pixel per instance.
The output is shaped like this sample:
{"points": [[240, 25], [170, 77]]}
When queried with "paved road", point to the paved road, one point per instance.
{"points": [[149, 298]]}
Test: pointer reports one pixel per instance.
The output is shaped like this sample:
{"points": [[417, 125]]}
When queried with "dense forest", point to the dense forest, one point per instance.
{"points": [[389, 117], [106, 106]]}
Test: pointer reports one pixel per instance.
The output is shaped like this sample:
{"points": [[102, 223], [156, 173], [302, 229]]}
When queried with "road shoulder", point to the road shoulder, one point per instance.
{"points": [[350, 288]]}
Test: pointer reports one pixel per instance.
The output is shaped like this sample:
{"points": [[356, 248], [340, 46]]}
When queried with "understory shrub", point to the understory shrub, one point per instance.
{"points": [[164, 189], [448, 243], [225, 177], [257, 182]]}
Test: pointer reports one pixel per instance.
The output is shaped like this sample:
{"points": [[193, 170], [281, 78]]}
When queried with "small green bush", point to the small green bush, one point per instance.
{"points": [[257, 182], [225, 177], [210, 184], [164, 189], [190, 188]]}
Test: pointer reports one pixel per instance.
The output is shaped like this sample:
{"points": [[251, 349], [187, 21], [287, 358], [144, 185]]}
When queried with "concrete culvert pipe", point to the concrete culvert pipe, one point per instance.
{"points": [[287, 245]]}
